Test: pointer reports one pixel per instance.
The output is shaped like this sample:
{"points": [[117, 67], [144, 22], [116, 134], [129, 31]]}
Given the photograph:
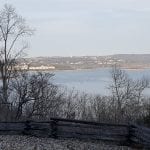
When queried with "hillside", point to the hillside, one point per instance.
{"points": [[132, 61]]}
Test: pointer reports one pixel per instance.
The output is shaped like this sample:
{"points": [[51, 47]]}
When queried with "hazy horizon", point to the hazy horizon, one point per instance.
{"points": [[86, 27], [87, 55]]}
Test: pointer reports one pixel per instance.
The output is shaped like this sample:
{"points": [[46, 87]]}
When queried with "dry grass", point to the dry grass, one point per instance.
{"points": [[32, 143]]}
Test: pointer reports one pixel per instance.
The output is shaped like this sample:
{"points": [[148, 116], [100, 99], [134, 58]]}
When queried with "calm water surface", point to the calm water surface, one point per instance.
{"points": [[93, 81]]}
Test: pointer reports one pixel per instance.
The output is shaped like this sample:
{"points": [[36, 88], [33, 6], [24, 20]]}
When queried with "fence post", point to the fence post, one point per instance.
{"points": [[135, 138], [54, 129], [129, 141], [27, 127]]}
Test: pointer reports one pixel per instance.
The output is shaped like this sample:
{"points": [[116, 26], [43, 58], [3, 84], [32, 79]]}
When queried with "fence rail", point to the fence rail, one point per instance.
{"points": [[140, 135], [64, 128]]}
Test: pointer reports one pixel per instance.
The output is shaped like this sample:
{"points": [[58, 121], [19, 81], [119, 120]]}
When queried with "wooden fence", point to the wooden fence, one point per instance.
{"points": [[64, 128], [140, 135]]}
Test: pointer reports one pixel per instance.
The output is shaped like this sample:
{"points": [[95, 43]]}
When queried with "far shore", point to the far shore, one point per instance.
{"points": [[124, 68]]}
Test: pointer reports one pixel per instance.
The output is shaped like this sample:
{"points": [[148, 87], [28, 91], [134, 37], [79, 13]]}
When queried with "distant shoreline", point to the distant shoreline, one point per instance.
{"points": [[123, 68], [124, 61]]}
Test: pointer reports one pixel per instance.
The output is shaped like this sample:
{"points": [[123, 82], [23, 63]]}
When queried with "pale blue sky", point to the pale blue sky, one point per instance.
{"points": [[86, 27]]}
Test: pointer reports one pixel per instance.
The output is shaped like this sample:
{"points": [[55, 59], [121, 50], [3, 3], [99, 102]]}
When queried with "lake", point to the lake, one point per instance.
{"points": [[94, 81]]}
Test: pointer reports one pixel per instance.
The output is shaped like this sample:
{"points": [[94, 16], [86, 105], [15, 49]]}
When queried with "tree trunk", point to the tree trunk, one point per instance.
{"points": [[5, 89]]}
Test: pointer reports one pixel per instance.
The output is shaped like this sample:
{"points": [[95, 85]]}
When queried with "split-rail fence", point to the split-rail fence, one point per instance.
{"points": [[122, 134]]}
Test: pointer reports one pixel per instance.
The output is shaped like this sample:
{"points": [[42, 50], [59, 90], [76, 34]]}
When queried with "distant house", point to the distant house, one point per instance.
{"points": [[26, 67], [42, 67]]}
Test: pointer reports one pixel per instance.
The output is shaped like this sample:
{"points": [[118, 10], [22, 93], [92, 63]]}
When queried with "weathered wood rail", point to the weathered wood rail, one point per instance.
{"points": [[140, 135], [64, 128], [90, 130]]}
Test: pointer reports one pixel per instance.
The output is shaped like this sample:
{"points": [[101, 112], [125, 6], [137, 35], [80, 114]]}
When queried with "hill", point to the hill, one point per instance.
{"points": [[131, 61]]}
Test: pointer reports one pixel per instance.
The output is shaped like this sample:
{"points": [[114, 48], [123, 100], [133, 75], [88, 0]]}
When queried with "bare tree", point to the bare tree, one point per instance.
{"points": [[13, 30], [20, 88], [127, 94], [99, 107], [35, 96]]}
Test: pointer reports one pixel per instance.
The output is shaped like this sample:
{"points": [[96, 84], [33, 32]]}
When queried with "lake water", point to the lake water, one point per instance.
{"points": [[93, 81]]}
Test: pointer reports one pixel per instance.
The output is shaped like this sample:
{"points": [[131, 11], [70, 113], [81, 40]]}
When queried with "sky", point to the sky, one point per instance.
{"points": [[86, 27]]}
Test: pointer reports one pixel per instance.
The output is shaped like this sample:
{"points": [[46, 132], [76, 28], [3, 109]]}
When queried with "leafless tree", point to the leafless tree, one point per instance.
{"points": [[20, 88], [127, 94], [99, 107], [35, 96], [13, 30], [45, 95], [70, 103]]}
